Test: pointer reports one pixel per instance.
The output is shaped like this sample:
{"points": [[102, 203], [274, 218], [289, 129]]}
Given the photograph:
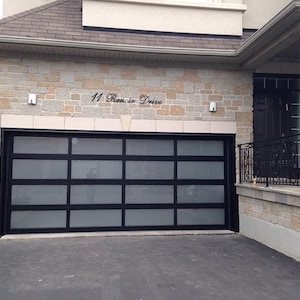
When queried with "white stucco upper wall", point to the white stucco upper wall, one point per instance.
{"points": [[1, 9], [191, 16], [12, 7], [259, 12]]}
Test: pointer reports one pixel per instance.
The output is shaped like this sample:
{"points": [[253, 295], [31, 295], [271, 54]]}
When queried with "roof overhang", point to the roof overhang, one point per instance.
{"points": [[277, 35], [280, 33]]}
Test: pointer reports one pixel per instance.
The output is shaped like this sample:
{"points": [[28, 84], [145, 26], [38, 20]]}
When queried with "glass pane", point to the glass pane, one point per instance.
{"points": [[96, 194], [149, 170], [282, 83], [39, 169], [259, 83], [96, 146], [40, 145], [95, 218], [199, 148], [200, 170], [150, 147], [198, 216], [149, 217], [271, 83], [38, 194], [200, 194], [97, 169], [149, 194], [38, 219], [295, 123]]}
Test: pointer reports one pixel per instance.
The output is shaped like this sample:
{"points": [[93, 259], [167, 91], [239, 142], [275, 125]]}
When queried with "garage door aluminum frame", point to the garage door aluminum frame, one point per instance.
{"points": [[70, 215]]}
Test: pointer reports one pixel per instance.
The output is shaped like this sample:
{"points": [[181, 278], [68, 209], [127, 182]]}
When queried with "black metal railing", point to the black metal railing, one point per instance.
{"points": [[273, 161]]}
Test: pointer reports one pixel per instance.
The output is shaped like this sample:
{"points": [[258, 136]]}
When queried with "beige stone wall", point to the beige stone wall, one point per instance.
{"points": [[271, 216], [65, 89], [278, 208]]}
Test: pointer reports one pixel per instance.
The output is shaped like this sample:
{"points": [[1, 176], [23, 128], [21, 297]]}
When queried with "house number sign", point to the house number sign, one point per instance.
{"points": [[113, 98]]}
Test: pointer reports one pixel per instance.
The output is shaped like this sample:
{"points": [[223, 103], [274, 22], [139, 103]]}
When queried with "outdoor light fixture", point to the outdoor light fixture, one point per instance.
{"points": [[212, 106], [32, 99]]}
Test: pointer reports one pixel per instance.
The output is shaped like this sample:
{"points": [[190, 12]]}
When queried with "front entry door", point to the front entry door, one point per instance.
{"points": [[271, 116], [276, 122]]}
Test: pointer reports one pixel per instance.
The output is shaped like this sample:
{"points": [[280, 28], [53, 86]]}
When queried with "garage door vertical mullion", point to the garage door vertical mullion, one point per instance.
{"points": [[69, 183], [123, 180], [8, 208], [175, 182]]}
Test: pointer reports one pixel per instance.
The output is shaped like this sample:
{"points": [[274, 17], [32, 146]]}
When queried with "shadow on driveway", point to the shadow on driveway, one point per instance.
{"points": [[195, 267]]}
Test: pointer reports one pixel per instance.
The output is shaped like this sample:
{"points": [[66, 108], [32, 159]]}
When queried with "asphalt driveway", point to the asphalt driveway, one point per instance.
{"points": [[185, 267]]}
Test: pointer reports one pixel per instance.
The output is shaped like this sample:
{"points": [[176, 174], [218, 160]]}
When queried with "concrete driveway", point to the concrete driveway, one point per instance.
{"points": [[184, 267]]}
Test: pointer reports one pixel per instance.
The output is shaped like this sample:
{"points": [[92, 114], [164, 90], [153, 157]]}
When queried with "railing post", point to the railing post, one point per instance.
{"points": [[267, 166], [240, 162]]}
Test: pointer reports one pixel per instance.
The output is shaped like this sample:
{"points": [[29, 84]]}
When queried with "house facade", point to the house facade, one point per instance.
{"points": [[125, 115]]}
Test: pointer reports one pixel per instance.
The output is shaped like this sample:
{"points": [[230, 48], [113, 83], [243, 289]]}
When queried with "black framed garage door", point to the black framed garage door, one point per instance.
{"points": [[67, 181]]}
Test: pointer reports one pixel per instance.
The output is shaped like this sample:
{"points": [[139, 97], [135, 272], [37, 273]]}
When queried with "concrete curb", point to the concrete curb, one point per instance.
{"points": [[114, 234]]}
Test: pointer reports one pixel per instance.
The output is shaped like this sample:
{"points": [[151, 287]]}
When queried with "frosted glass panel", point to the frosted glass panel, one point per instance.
{"points": [[95, 218], [149, 194], [149, 170], [40, 145], [200, 170], [199, 148], [96, 146], [38, 219], [39, 169], [96, 194], [97, 169], [198, 216], [149, 217], [200, 193], [38, 194], [150, 147]]}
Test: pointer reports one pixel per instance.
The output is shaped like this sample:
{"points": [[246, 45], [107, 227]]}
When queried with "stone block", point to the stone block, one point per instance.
{"points": [[189, 87], [120, 108], [103, 124], [143, 125], [177, 110], [223, 127], [4, 103], [67, 76], [44, 68], [243, 116], [52, 105], [169, 126], [196, 126], [16, 121], [152, 82], [79, 123], [47, 122], [295, 222]]}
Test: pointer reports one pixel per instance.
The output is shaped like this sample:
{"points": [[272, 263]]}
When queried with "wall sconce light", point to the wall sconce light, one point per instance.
{"points": [[32, 99], [213, 106]]}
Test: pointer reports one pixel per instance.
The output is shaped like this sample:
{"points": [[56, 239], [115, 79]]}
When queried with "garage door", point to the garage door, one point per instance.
{"points": [[62, 182]]}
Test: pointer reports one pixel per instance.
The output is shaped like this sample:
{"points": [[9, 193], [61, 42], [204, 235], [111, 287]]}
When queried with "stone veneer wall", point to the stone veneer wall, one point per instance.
{"points": [[64, 88], [271, 216]]}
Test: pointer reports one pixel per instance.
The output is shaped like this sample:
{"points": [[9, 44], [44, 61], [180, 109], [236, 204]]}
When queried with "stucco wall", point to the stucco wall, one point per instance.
{"points": [[260, 12], [11, 7], [200, 17]]}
